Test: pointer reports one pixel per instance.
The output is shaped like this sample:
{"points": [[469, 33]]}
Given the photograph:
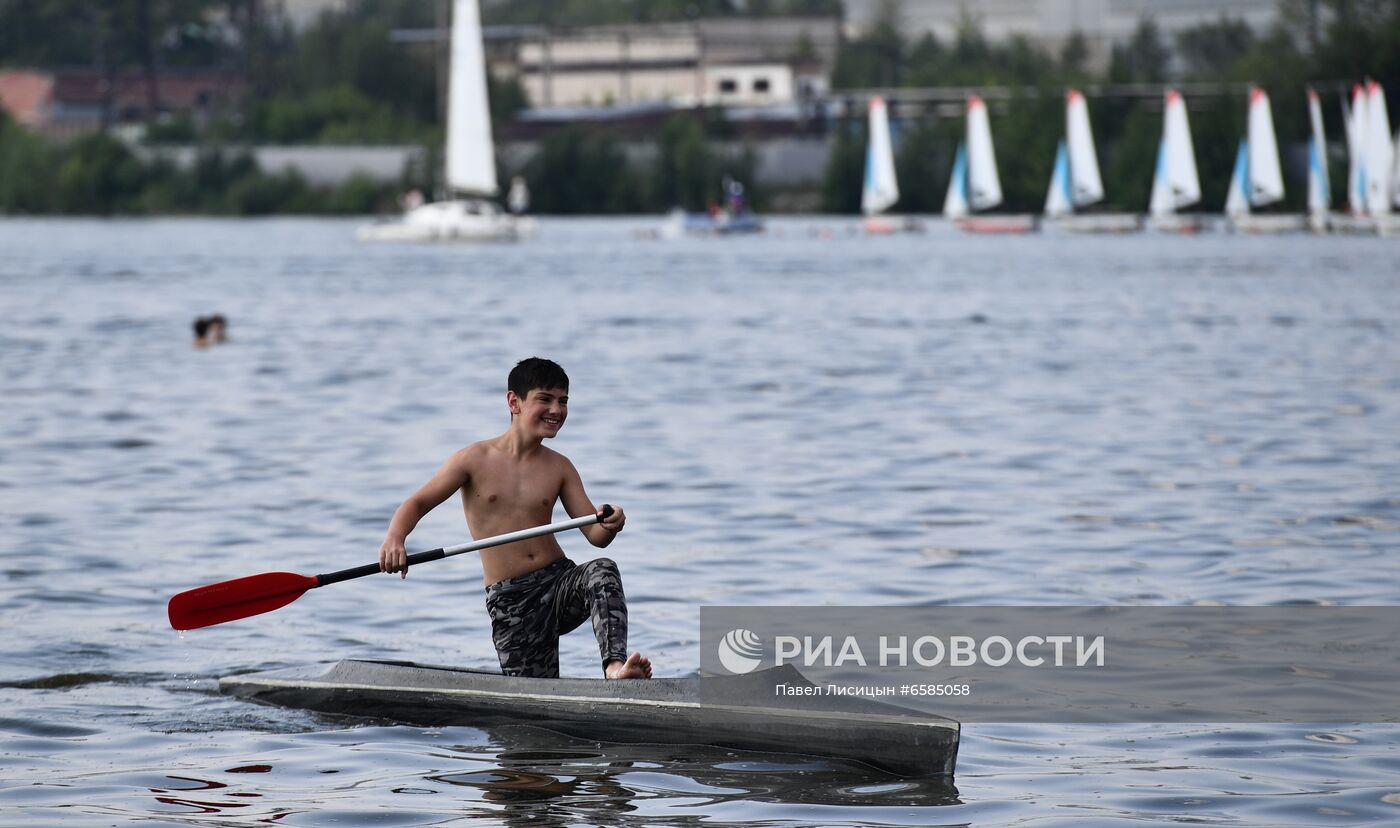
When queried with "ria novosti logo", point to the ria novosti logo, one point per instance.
{"points": [[740, 651]]}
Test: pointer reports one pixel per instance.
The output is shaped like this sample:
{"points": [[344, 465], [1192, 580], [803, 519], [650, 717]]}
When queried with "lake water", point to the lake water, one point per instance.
{"points": [[811, 417]]}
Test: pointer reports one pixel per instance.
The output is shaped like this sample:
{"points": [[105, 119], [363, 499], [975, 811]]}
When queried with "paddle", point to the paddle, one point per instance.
{"points": [[243, 597]]}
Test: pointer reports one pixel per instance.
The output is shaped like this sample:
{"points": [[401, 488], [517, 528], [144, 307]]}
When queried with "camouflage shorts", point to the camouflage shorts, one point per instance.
{"points": [[530, 612]]}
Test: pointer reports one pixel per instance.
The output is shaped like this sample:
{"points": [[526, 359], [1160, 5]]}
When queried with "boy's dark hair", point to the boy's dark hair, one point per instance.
{"points": [[536, 372], [201, 327]]}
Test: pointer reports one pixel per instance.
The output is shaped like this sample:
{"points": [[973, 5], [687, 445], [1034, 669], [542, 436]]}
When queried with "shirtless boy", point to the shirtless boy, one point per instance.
{"points": [[533, 593]]}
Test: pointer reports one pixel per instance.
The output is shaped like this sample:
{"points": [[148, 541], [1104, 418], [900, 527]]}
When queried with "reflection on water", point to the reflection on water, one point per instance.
{"points": [[805, 418], [178, 794]]}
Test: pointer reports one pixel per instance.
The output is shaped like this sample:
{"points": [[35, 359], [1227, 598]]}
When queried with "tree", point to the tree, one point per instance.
{"points": [[576, 171], [923, 163], [1074, 54], [845, 170], [684, 175], [1144, 59], [1208, 50], [875, 59]]}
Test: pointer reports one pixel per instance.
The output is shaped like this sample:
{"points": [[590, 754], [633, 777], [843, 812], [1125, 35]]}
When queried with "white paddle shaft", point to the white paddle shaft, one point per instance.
{"points": [[523, 534]]}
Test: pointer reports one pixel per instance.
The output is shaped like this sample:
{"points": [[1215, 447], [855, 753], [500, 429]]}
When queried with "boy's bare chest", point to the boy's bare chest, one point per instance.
{"points": [[510, 486]]}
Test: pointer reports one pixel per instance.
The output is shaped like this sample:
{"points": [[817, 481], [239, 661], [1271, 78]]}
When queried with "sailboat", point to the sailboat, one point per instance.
{"points": [[1356, 150], [471, 156], [1175, 183], [1319, 181], [1075, 182], [1258, 176], [975, 185], [1371, 182], [881, 190], [1354, 220], [1379, 158]]}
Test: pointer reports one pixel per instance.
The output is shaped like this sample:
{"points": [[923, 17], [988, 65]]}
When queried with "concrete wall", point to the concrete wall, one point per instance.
{"points": [[321, 166], [781, 162]]}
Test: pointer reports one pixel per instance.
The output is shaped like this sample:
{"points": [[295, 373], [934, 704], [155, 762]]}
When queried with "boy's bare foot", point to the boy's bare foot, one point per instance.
{"points": [[637, 666]]}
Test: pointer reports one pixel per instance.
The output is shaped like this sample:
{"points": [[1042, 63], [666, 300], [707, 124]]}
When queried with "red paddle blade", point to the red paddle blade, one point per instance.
{"points": [[240, 598]]}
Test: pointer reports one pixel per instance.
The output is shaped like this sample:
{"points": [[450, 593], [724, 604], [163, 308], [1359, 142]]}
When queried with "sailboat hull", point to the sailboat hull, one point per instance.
{"points": [[704, 224], [1176, 223], [999, 225], [886, 226], [1385, 225], [1096, 223], [1265, 224], [451, 221]]}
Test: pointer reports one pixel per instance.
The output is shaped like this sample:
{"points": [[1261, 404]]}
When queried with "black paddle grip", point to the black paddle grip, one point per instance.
{"points": [[372, 569], [607, 511]]}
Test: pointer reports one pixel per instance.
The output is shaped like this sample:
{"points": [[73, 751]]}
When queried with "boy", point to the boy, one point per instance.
{"points": [[534, 594]]}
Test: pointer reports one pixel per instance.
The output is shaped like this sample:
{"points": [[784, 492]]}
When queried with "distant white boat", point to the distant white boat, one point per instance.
{"points": [[471, 156], [1373, 177], [881, 189], [1175, 182], [1258, 176], [1355, 120], [1382, 177], [1075, 182], [978, 187], [1380, 153], [1319, 180]]}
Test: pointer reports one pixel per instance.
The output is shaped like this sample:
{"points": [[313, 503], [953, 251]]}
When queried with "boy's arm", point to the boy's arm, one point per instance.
{"points": [[453, 475], [577, 504]]}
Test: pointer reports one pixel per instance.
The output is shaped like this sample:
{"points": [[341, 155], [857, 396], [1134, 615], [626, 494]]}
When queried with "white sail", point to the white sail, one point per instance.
{"points": [[471, 156], [1236, 202], [1379, 151], [955, 203], [1395, 174], [983, 184], [1319, 183], [881, 189], [1086, 186], [1356, 150], [1265, 173], [1182, 178], [1160, 204], [1058, 201]]}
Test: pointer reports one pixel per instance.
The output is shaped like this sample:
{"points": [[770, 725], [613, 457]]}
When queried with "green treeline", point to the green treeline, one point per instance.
{"points": [[344, 79], [581, 171], [97, 174]]}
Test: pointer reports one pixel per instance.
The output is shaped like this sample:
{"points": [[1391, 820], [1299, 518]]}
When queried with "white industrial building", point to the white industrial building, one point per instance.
{"points": [[714, 61]]}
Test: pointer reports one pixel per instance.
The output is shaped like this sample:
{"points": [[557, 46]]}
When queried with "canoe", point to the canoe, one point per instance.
{"points": [[729, 712]]}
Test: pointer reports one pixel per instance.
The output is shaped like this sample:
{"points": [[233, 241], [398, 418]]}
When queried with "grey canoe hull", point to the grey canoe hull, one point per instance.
{"points": [[659, 711]]}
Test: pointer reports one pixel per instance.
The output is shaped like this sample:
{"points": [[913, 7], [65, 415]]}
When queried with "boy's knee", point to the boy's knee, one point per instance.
{"points": [[605, 565]]}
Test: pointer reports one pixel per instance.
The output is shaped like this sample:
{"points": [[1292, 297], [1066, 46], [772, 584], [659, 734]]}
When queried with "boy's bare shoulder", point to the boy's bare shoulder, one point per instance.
{"points": [[475, 451], [556, 458]]}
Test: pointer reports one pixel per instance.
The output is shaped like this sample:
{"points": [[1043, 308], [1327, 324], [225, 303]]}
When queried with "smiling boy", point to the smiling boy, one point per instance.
{"points": [[534, 594]]}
